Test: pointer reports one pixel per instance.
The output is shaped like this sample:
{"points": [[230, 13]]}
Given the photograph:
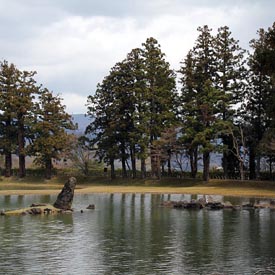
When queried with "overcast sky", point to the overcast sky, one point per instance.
{"points": [[72, 44]]}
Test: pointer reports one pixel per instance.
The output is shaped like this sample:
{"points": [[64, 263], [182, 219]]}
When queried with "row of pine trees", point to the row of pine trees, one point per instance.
{"points": [[33, 122], [223, 101]]}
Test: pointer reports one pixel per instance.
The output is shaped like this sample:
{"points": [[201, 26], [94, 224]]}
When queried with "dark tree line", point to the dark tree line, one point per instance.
{"points": [[225, 103], [33, 121]]}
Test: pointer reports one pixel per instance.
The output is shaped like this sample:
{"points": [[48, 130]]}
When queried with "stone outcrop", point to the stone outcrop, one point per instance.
{"points": [[63, 203], [90, 206], [215, 205], [38, 209], [65, 197]]}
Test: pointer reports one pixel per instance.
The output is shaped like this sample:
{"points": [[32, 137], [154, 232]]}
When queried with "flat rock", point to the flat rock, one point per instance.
{"points": [[35, 210]]}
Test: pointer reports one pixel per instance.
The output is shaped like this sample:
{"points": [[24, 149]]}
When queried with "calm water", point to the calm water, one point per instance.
{"points": [[130, 234]]}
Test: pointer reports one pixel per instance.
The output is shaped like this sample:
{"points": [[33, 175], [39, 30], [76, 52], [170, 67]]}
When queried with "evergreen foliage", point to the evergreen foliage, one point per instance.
{"points": [[137, 103], [32, 120], [226, 103], [131, 107], [51, 138]]}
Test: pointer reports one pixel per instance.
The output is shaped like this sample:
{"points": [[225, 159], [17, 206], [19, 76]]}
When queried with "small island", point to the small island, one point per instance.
{"points": [[63, 203]]}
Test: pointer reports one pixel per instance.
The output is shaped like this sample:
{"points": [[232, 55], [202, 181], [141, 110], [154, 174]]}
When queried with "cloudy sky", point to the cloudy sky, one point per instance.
{"points": [[72, 44]]}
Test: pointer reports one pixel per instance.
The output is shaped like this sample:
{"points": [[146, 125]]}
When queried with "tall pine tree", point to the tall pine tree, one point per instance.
{"points": [[160, 95], [18, 90], [230, 77], [50, 129], [9, 75], [200, 99]]}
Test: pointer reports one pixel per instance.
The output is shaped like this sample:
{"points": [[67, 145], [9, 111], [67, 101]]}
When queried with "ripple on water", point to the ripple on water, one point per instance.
{"points": [[130, 234]]}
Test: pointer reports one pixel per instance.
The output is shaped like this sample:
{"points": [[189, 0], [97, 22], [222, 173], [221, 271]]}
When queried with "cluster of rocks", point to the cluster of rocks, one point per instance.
{"points": [[90, 206], [41, 209], [62, 204], [36, 209], [214, 205]]}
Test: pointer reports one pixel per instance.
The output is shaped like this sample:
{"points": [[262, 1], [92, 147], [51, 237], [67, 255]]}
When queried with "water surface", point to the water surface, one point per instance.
{"points": [[131, 234]]}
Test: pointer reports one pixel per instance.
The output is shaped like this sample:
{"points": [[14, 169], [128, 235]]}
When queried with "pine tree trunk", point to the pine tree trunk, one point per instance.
{"points": [[162, 168], [227, 157], [48, 169], [112, 163], [21, 148], [123, 162], [123, 166], [143, 162], [133, 163], [193, 156], [22, 166], [143, 168], [169, 166], [225, 165], [241, 170], [206, 165], [252, 166], [158, 167], [270, 167], [86, 168], [258, 166], [8, 164], [8, 154], [155, 166], [229, 163]]}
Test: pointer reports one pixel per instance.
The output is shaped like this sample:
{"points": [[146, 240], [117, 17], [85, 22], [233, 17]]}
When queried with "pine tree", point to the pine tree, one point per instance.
{"points": [[259, 107], [188, 112], [269, 67], [230, 76], [24, 108], [51, 137], [160, 94], [8, 83], [201, 101], [266, 55], [259, 96], [102, 129], [131, 106], [18, 92], [138, 136]]}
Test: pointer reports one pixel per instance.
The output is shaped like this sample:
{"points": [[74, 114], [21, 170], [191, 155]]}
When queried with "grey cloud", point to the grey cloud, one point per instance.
{"points": [[72, 44]]}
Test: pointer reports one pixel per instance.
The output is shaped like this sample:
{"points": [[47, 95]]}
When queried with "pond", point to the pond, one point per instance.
{"points": [[131, 234]]}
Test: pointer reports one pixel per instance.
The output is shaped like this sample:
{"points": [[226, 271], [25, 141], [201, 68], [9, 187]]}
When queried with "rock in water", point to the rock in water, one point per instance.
{"points": [[65, 198]]}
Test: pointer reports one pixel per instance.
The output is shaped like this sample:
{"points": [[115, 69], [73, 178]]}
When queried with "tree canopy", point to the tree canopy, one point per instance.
{"points": [[32, 120], [140, 116], [138, 102]]}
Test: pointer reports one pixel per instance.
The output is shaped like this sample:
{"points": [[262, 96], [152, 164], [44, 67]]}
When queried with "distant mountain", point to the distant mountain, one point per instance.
{"points": [[82, 121]]}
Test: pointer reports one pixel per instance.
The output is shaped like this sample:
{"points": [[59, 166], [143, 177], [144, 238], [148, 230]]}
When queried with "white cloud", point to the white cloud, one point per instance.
{"points": [[75, 103]]}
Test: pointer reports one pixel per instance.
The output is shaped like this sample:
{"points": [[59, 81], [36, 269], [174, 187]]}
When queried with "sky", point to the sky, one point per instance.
{"points": [[73, 44]]}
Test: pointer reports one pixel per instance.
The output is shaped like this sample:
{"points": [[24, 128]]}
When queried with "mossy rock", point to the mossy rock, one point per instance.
{"points": [[35, 209]]}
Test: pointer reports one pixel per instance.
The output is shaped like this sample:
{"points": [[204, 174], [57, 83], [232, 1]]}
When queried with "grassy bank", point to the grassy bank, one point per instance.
{"points": [[14, 186]]}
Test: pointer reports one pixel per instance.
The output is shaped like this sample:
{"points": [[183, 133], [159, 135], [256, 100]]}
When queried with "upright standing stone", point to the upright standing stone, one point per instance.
{"points": [[65, 198]]}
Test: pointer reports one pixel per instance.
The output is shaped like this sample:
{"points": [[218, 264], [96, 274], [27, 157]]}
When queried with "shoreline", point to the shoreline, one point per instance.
{"points": [[198, 189]]}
